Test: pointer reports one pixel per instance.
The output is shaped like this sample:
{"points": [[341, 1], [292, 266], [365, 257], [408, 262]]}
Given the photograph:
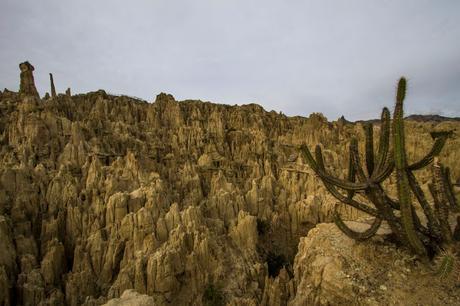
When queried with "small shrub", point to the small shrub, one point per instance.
{"points": [[262, 227], [275, 263], [447, 266], [213, 296]]}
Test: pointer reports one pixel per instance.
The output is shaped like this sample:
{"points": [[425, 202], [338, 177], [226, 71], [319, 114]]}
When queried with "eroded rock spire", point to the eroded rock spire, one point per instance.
{"points": [[53, 89], [27, 85]]}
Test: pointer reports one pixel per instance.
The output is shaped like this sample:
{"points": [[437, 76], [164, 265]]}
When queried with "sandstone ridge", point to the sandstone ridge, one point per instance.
{"points": [[109, 199]]}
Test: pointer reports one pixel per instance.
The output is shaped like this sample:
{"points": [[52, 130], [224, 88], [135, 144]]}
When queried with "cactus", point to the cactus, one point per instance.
{"points": [[400, 214], [447, 182], [403, 187], [447, 266]]}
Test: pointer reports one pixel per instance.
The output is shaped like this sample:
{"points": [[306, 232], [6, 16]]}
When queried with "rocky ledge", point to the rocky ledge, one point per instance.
{"points": [[332, 269]]}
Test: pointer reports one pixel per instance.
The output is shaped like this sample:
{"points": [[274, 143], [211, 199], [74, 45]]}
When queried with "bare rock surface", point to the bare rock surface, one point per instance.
{"points": [[131, 298], [27, 85], [186, 202], [332, 269]]}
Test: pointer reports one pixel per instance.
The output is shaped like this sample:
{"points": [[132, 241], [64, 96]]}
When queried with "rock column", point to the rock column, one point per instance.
{"points": [[27, 85], [53, 89]]}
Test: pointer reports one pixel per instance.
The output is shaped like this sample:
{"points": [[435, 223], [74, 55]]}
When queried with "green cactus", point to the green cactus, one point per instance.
{"points": [[369, 132], [403, 187], [371, 231], [450, 189], [447, 265], [437, 189], [400, 214]]}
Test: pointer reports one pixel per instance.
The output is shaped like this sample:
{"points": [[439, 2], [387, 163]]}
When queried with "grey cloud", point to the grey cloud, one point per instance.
{"points": [[298, 57]]}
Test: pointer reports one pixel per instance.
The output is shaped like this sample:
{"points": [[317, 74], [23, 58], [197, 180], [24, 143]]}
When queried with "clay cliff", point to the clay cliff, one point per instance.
{"points": [[110, 199]]}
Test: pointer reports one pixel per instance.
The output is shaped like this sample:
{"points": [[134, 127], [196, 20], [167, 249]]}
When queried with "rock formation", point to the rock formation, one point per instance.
{"points": [[27, 84], [333, 269], [53, 89], [131, 298], [110, 199]]}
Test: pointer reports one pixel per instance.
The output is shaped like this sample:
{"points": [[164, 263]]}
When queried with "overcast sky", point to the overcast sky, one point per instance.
{"points": [[298, 57]]}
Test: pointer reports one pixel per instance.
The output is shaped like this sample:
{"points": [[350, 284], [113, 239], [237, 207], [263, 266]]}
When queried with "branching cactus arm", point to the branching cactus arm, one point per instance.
{"points": [[369, 233], [440, 141], [400, 165], [329, 178]]}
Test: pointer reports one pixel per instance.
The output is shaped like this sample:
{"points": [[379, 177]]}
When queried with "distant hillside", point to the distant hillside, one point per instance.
{"points": [[419, 118], [435, 118]]}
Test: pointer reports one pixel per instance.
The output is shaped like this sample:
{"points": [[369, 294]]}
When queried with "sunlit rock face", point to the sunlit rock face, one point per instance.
{"points": [[101, 194]]}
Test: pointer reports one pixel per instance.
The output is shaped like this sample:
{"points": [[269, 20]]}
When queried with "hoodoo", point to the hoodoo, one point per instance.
{"points": [[27, 85]]}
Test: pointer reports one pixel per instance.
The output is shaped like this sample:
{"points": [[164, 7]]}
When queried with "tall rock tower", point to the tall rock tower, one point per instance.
{"points": [[27, 85], [53, 89]]}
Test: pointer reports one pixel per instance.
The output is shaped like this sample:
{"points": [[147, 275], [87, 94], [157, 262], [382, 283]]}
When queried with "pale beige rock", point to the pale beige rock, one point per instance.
{"points": [[278, 291], [244, 233], [53, 263], [7, 262], [332, 269], [132, 298], [103, 193]]}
